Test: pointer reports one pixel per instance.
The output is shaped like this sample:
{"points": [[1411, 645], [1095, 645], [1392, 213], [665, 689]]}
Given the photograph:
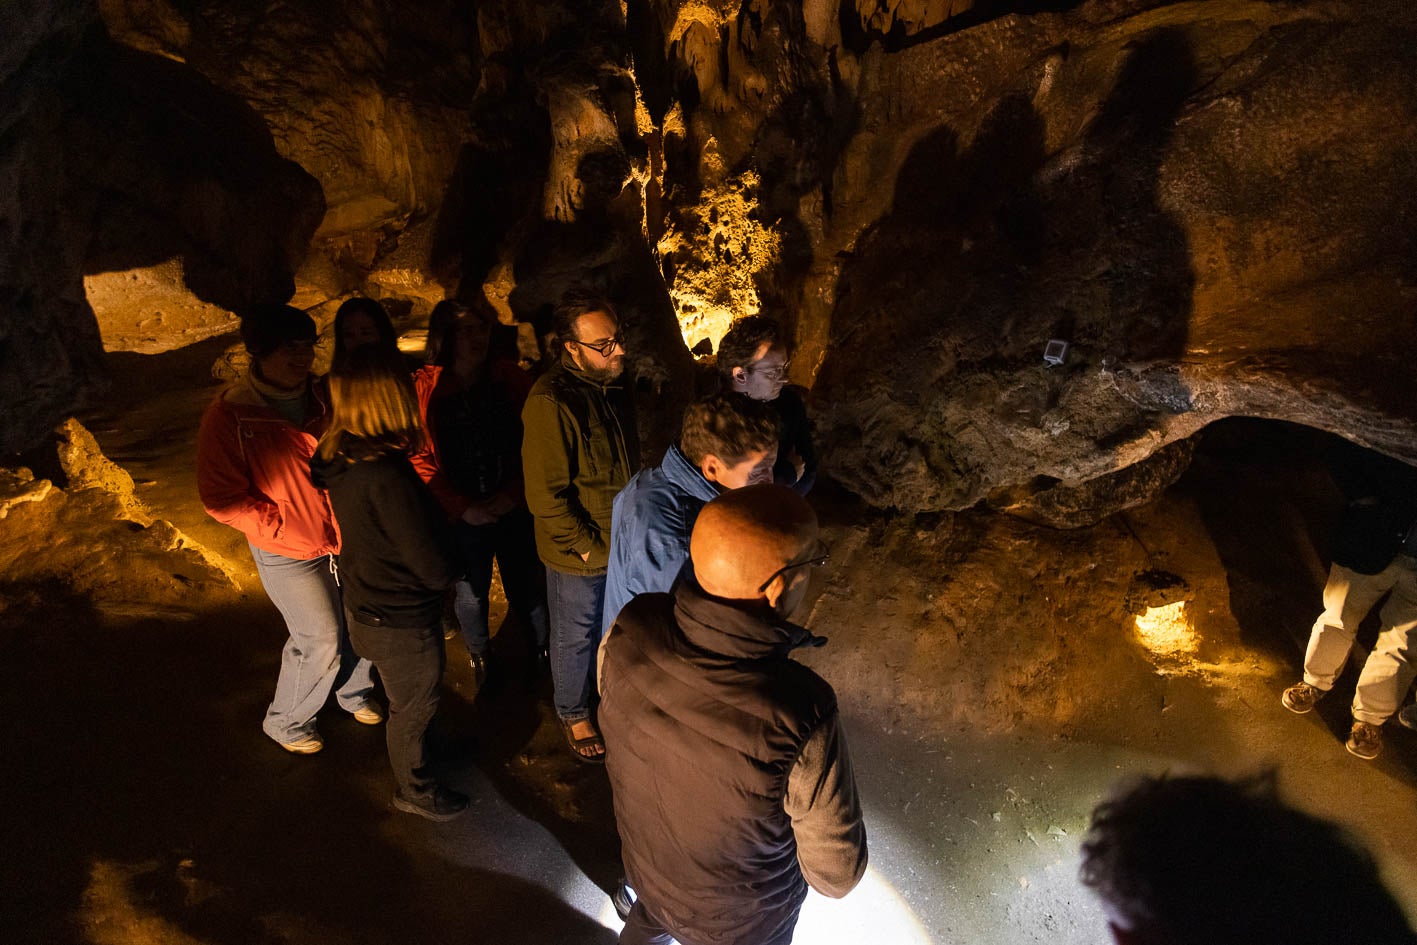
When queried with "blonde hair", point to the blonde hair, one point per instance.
{"points": [[374, 403]]}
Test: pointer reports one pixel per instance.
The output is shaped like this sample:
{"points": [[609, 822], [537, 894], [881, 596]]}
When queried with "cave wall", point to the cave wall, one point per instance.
{"points": [[1211, 202], [115, 158]]}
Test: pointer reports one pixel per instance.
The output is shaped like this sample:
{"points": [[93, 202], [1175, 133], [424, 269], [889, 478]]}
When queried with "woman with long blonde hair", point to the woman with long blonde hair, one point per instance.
{"points": [[396, 561]]}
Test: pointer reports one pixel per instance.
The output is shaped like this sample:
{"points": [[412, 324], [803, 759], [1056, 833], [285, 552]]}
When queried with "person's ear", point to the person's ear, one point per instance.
{"points": [[712, 468], [776, 588], [740, 377]]}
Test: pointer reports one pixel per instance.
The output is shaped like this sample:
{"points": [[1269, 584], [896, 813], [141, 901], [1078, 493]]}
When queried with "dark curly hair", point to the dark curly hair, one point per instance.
{"points": [[1204, 861], [729, 426], [745, 336]]}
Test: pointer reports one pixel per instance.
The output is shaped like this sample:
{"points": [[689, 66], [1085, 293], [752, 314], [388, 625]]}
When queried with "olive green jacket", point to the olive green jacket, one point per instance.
{"points": [[579, 449]]}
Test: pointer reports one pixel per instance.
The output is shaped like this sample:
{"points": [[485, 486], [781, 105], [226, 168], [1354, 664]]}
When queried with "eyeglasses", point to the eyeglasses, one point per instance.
{"points": [[603, 348], [816, 561], [772, 373]]}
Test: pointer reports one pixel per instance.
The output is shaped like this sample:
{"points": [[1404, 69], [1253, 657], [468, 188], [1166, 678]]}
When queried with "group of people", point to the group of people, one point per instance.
{"points": [[658, 598]]}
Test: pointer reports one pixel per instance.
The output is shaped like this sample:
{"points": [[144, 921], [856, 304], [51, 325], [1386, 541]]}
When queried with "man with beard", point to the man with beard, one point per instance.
{"points": [[578, 451]]}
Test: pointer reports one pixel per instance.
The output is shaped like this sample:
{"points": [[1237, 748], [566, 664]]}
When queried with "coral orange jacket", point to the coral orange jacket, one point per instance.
{"points": [[253, 473]]}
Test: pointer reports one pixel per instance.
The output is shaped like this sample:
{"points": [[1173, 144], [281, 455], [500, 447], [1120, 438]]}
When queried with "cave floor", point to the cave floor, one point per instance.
{"points": [[993, 688]]}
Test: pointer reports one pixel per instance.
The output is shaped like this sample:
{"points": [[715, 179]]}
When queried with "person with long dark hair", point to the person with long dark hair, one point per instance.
{"points": [[363, 323], [471, 402], [397, 561]]}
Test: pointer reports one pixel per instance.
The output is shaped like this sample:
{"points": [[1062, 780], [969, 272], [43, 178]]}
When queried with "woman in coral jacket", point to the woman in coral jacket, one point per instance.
{"points": [[253, 473], [471, 398]]}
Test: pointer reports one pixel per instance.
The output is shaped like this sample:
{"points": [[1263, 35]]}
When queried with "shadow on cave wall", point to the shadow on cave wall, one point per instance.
{"points": [[495, 186], [128, 159], [993, 247], [142, 751], [177, 167]]}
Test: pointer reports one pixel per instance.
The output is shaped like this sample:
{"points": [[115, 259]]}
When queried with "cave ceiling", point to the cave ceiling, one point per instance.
{"points": [[1211, 203]]}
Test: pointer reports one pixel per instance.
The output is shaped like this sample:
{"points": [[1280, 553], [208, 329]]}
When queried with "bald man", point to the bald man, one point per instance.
{"points": [[732, 785]]}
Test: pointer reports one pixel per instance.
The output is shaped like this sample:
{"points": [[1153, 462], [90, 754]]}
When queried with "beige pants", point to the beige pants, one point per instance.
{"points": [[1348, 596]]}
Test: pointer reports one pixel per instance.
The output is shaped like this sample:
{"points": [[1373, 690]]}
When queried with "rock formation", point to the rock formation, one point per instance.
{"points": [[1210, 203]]}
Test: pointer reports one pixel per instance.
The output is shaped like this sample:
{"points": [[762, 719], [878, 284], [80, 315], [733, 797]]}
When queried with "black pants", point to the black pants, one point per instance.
{"points": [[510, 539], [642, 929], [410, 662]]}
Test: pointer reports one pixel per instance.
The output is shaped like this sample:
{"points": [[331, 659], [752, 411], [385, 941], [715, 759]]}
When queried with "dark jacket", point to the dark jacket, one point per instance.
{"points": [[397, 558], [732, 786], [1382, 504], [579, 449], [794, 436], [484, 461]]}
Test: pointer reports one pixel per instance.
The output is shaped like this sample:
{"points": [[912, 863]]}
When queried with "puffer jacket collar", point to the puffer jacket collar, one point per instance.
{"points": [[735, 630]]}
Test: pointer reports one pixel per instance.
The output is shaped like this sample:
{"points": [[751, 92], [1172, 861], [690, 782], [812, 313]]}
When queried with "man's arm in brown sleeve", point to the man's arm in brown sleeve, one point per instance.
{"points": [[826, 812]]}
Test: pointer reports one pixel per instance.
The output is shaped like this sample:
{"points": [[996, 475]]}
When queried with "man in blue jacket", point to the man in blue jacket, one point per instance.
{"points": [[727, 441]]}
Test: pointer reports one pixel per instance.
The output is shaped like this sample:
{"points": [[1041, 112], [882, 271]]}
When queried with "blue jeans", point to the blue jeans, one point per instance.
{"points": [[317, 657], [576, 602], [510, 540]]}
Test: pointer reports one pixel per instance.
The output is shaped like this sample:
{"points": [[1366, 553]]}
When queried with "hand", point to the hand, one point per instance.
{"points": [[479, 514], [799, 464], [500, 504]]}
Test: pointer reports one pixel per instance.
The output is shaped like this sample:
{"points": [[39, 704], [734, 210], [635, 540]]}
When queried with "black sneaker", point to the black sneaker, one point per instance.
{"points": [[444, 805]]}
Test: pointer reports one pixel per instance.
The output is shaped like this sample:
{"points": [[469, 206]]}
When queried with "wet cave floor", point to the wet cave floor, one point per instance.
{"points": [[993, 684]]}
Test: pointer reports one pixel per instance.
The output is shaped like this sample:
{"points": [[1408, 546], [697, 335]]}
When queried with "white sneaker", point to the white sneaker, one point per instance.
{"points": [[1407, 718], [307, 745], [368, 714]]}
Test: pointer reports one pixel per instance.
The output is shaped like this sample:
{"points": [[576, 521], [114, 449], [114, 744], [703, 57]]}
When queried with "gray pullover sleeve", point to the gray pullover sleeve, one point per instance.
{"points": [[826, 812]]}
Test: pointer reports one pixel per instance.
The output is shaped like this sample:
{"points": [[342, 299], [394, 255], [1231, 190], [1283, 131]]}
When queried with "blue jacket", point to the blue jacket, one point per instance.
{"points": [[649, 532]]}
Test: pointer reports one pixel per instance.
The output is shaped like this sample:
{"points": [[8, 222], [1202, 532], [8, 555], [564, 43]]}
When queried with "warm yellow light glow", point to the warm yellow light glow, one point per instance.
{"points": [[1166, 630]]}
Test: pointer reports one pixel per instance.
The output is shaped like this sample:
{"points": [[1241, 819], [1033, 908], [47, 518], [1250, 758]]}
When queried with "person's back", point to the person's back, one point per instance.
{"points": [[732, 786], [397, 558], [711, 736]]}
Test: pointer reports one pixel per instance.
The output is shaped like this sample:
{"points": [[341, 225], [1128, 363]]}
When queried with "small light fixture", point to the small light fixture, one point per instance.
{"points": [[1157, 599]]}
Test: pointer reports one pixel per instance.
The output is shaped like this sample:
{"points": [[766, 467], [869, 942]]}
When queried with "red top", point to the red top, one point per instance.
{"points": [[253, 473]]}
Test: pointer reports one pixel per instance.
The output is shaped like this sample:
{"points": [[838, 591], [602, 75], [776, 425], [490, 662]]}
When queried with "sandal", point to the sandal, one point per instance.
{"points": [[581, 748]]}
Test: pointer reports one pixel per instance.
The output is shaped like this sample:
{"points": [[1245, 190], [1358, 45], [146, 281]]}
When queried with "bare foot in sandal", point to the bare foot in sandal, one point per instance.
{"points": [[585, 742]]}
